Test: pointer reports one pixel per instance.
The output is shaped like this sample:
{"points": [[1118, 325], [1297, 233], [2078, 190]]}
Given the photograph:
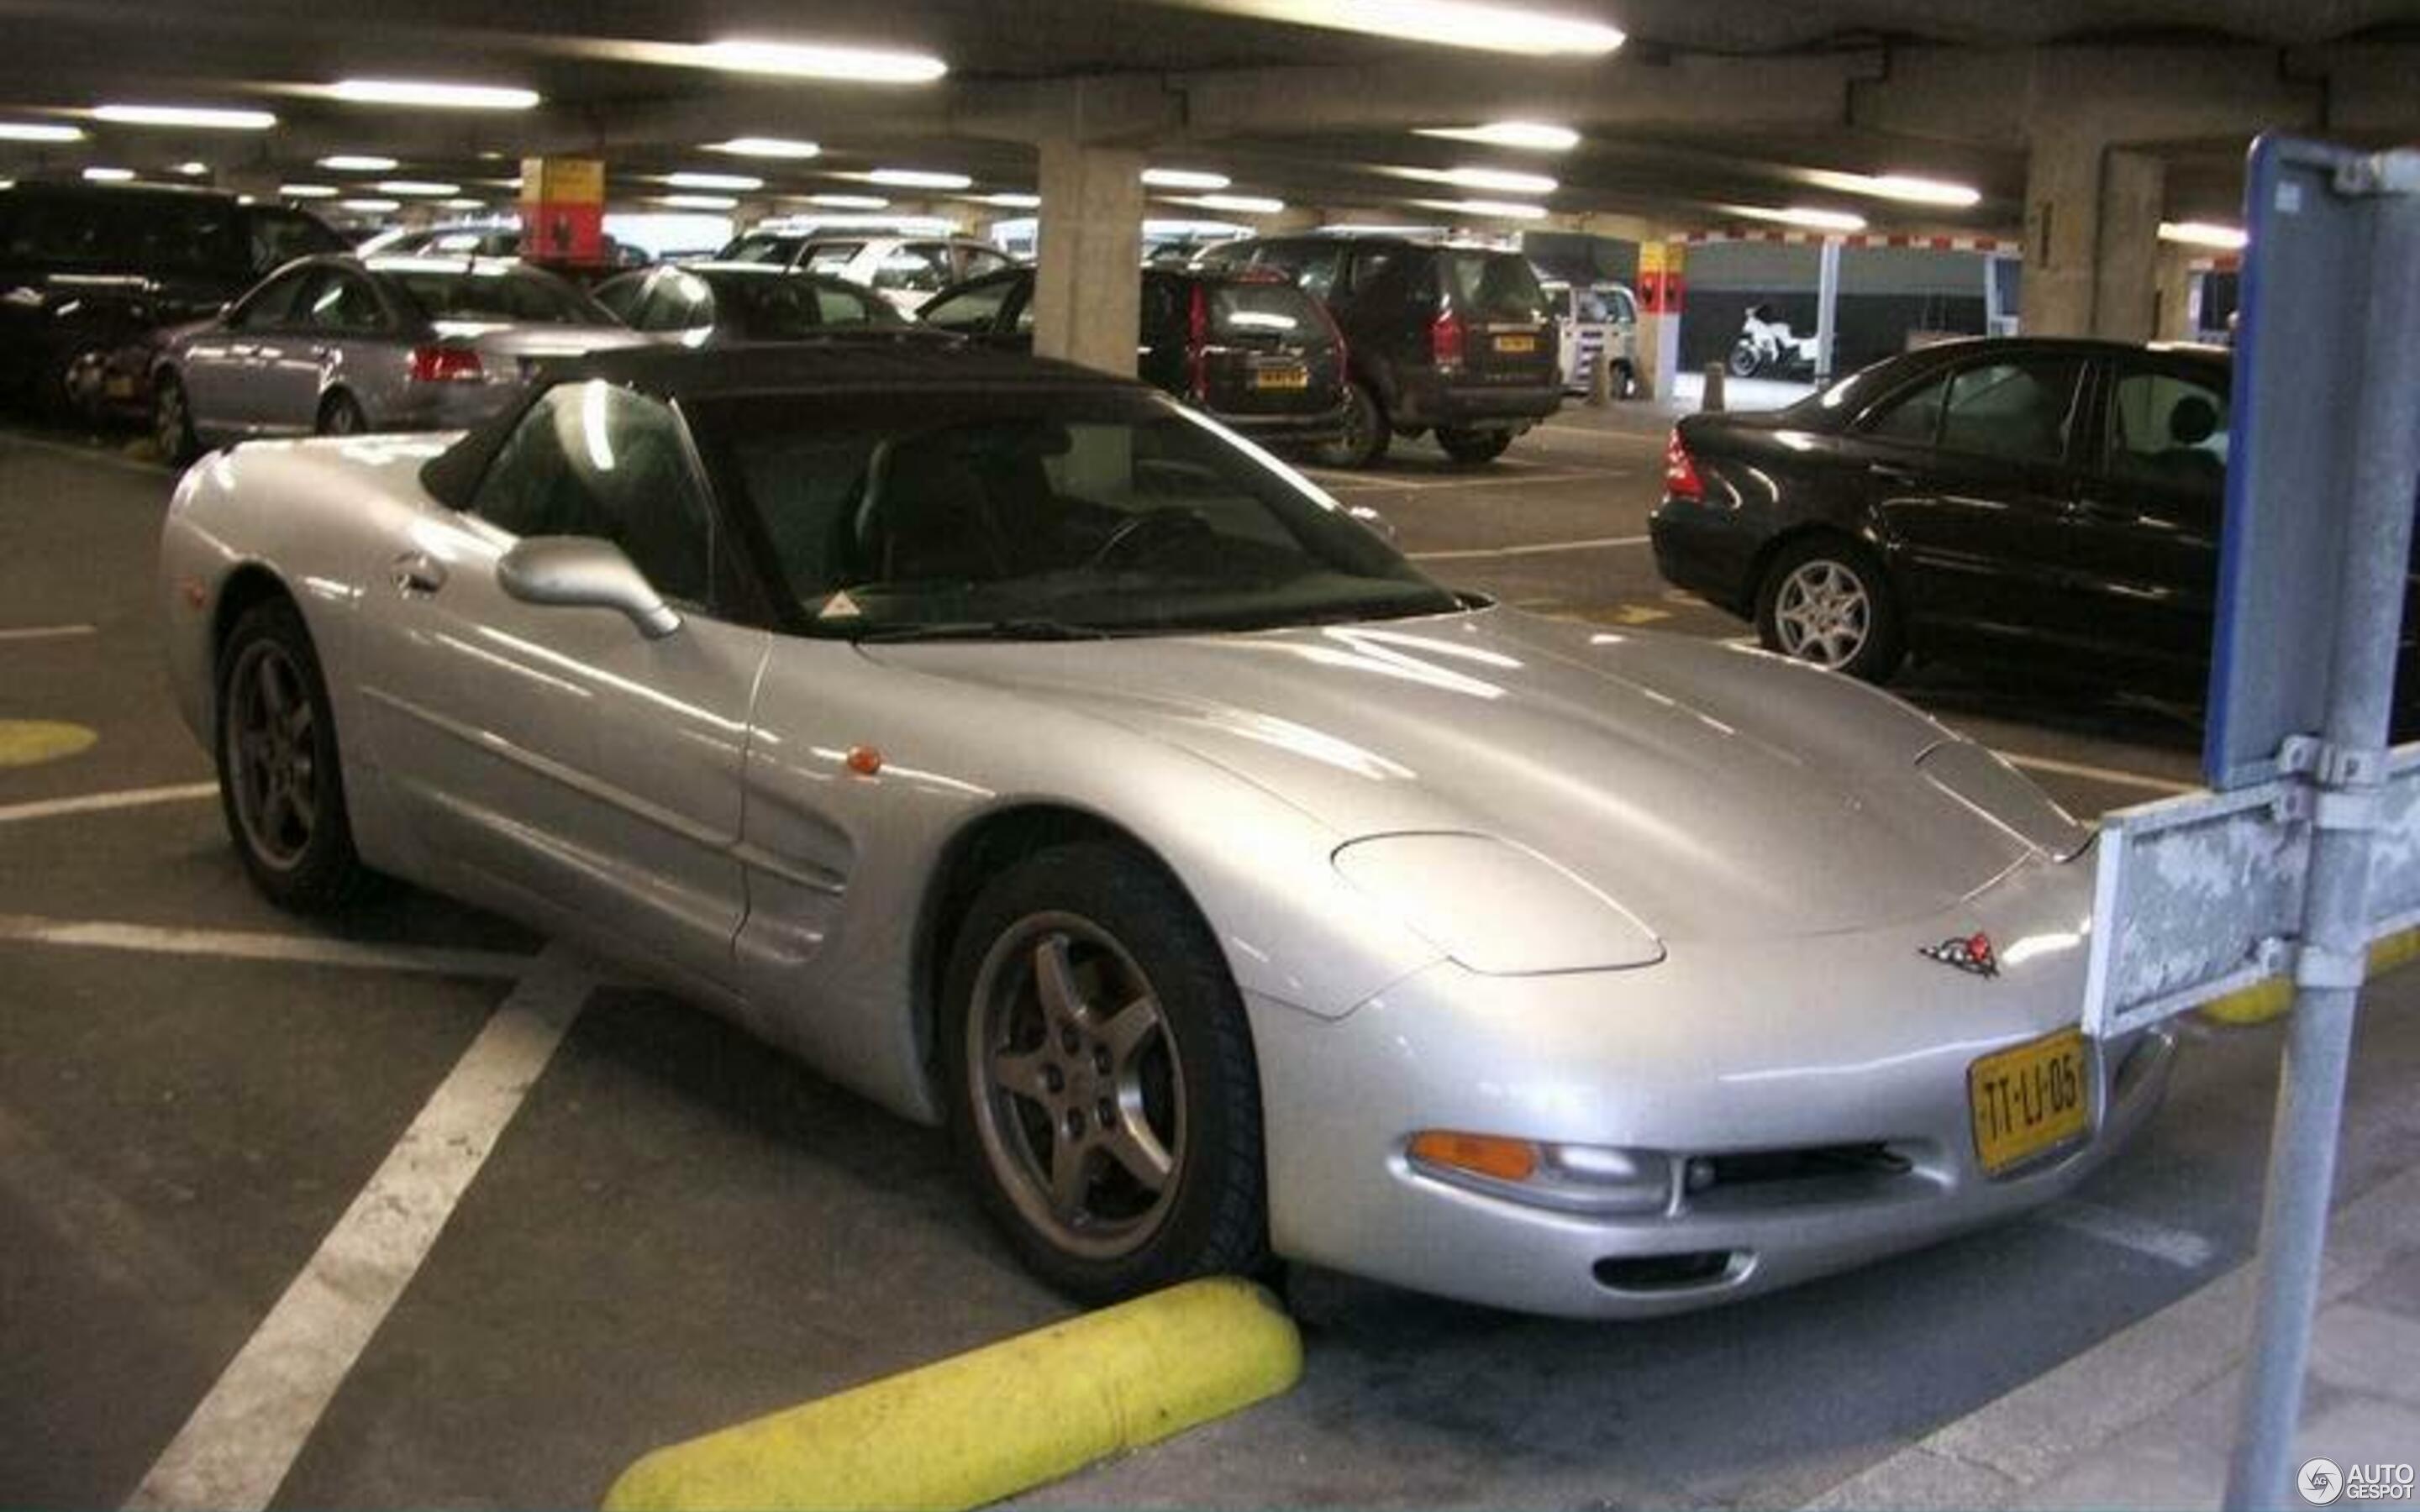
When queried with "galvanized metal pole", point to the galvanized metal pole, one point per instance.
{"points": [[1827, 306], [2351, 765]]}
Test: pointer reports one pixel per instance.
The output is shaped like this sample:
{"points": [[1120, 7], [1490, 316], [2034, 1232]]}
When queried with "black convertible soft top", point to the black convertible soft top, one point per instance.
{"points": [[875, 362]]}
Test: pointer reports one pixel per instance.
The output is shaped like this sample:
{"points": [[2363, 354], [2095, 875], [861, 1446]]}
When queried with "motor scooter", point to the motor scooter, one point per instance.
{"points": [[1767, 344]]}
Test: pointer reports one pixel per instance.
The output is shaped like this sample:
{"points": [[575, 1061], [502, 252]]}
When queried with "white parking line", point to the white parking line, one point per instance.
{"points": [[235, 1451], [247, 945], [2098, 774], [1537, 549], [98, 802], [48, 632], [2180, 1247]]}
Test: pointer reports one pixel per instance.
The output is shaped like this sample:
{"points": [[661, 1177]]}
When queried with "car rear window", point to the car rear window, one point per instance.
{"points": [[1492, 286], [1263, 310], [520, 295], [832, 256]]}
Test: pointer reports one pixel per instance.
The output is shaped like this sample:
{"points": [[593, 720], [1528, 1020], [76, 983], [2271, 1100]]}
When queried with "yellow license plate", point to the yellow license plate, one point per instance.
{"points": [[1516, 344], [2028, 1099], [1280, 378], [119, 386]]}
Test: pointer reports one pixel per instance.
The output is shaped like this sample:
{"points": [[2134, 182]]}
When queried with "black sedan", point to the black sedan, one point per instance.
{"points": [[700, 304], [2056, 501], [1254, 351]]}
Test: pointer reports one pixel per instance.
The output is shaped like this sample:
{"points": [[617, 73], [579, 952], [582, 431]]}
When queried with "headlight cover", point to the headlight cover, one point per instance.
{"points": [[1982, 781], [1495, 907]]}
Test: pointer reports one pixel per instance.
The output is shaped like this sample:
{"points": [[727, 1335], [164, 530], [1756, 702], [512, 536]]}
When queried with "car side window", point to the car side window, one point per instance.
{"points": [[341, 303], [974, 311], [977, 261], [1369, 265], [595, 460], [1624, 307], [2021, 411], [840, 305], [267, 306], [680, 301], [1314, 268], [280, 236], [2166, 430], [919, 268]]}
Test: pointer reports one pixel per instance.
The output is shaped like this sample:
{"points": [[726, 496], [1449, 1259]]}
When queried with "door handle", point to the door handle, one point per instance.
{"points": [[417, 572]]}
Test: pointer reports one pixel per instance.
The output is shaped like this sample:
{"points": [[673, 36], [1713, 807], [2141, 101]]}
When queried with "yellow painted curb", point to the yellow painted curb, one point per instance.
{"points": [[32, 742], [2270, 999], [994, 1421]]}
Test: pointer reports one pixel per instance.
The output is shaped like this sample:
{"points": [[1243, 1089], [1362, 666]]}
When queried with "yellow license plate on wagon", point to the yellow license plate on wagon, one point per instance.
{"points": [[2029, 1100], [1280, 378], [1516, 344]]}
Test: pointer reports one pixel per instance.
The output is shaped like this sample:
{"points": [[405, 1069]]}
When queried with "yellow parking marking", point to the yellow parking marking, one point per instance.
{"points": [[32, 742], [1632, 614], [999, 1420], [2263, 1001]]}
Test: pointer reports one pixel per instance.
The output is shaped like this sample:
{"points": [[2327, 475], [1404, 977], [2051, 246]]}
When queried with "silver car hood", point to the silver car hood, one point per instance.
{"points": [[1713, 793]]}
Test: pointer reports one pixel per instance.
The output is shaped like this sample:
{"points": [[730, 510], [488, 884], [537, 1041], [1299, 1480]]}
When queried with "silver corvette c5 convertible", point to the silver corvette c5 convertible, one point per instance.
{"points": [[1030, 755]]}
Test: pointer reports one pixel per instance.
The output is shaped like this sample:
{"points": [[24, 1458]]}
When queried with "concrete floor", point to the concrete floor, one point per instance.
{"points": [[679, 1230]]}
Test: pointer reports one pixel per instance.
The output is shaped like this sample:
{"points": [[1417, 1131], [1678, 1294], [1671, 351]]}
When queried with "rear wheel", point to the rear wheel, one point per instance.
{"points": [[339, 415], [1366, 435], [280, 784], [1825, 600], [1624, 381], [1473, 446], [172, 422], [1745, 360], [1100, 1079]]}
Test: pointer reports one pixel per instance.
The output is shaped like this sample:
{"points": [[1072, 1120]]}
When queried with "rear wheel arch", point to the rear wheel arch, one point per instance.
{"points": [[1752, 591]]}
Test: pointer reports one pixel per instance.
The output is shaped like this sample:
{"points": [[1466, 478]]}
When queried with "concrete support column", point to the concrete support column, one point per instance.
{"points": [[1087, 286], [2092, 220], [1663, 282], [2180, 297]]}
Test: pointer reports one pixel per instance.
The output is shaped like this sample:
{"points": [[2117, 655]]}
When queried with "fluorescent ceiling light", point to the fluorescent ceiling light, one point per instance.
{"points": [[713, 180], [1012, 201], [306, 191], [415, 187], [7, 183], [1899, 186], [192, 170], [808, 60], [357, 162], [193, 116], [918, 178], [1498, 180], [698, 202], [38, 132], [1494, 209], [427, 95], [464, 204], [1493, 28], [108, 176], [1799, 215], [849, 202], [765, 147], [372, 207], [1184, 178], [1237, 204], [1528, 136], [2204, 234]]}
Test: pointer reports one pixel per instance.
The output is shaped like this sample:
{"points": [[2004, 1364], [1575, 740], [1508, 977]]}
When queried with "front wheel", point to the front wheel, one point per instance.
{"points": [[1825, 600], [172, 422], [280, 784], [1366, 435], [1745, 359], [1101, 1085], [1473, 446]]}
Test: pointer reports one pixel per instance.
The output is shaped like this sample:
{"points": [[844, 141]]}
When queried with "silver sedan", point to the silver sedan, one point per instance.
{"points": [[336, 345], [1034, 756]]}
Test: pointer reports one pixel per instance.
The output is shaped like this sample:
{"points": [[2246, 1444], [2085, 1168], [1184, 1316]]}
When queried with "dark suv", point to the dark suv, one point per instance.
{"points": [[90, 271], [1256, 352], [1456, 339]]}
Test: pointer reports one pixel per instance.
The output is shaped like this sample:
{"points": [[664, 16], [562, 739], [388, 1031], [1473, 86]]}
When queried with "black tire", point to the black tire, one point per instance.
{"points": [[297, 850], [339, 415], [1366, 433], [1473, 447], [1625, 381], [1826, 599], [1192, 1087], [1744, 363], [172, 422]]}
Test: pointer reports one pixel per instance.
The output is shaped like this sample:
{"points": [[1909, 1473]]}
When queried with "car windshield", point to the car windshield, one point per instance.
{"points": [[975, 515], [523, 295]]}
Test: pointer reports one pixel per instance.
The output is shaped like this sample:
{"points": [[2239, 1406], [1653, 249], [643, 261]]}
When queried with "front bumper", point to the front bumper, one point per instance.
{"points": [[1725, 1051]]}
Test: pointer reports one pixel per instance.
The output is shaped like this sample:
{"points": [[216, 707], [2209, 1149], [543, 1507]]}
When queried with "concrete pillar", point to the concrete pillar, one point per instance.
{"points": [[2180, 297], [1663, 282], [1087, 284], [2092, 220]]}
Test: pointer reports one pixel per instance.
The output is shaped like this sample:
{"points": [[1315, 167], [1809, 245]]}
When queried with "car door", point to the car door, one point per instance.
{"points": [[2144, 537], [343, 336], [217, 364], [557, 759], [1969, 476]]}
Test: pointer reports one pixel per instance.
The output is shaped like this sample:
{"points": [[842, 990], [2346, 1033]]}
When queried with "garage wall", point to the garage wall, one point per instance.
{"points": [[1886, 293]]}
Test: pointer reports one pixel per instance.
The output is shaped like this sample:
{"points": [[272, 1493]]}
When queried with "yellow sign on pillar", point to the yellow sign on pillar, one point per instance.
{"points": [[563, 210]]}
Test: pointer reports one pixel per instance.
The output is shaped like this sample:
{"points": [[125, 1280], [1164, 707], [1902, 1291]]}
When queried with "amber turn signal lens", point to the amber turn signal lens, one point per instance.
{"points": [[1489, 1155]]}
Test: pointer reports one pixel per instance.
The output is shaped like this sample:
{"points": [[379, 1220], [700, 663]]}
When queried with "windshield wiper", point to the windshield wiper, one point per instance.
{"points": [[1024, 629]]}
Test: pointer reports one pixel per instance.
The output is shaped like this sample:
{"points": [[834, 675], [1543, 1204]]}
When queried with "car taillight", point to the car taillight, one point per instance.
{"points": [[1335, 335], [445, 364], [1681, 480], [1197, 345], [1445, 339]]}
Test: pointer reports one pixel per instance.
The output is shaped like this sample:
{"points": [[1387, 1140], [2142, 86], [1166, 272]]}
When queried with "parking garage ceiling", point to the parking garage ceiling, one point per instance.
{"points": [[1705, 105]]}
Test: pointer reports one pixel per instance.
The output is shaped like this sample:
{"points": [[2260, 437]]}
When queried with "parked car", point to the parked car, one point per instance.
{"points": [[1032, 757], [1597, 322], [1258, 353], [477, 239], [2054, 500], [714, 304], [91, 269], [1452, 338], [336, 345], [906, 271]]}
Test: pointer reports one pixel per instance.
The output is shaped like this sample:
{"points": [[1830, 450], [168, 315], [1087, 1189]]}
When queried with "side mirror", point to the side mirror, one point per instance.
{"points": [[1373, 521], [583, 572]]}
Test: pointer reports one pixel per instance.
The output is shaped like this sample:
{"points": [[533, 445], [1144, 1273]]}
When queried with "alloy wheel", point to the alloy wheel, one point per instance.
{"points": [[271, 754], [1823, 613], [168, 420]]}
